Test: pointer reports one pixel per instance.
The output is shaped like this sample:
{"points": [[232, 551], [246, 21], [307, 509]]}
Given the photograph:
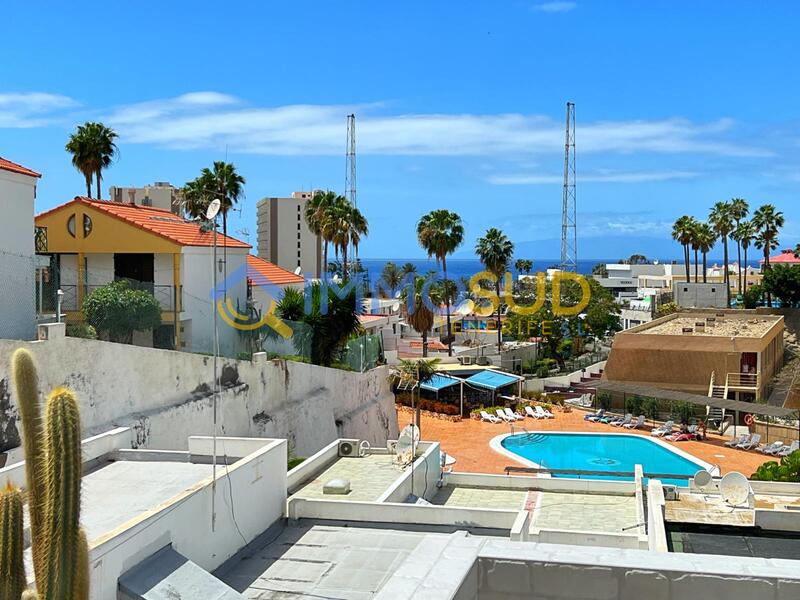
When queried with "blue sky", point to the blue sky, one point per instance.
{"points": [[459, 105]]}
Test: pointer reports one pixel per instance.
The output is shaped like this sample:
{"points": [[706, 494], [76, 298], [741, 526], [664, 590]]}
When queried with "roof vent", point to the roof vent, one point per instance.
{"points": [[132, 197], [687, 331], [700, 326]]}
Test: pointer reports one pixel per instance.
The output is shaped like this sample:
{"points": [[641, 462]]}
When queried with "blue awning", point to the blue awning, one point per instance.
{"points": [[492, 380], [439, 382]]}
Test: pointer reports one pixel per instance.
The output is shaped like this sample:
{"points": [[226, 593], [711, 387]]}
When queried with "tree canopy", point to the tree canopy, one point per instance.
{"points": [[117, 310]]}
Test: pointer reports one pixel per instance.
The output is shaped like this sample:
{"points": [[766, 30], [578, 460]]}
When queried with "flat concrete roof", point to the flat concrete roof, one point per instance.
{"points": [[567, 511], [480, 497], [323, 561], [119, 491], [749, 326], [369, 477], [704, 508]]}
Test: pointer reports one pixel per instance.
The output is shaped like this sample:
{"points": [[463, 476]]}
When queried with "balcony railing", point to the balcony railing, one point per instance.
{"points": [[742, 381]]}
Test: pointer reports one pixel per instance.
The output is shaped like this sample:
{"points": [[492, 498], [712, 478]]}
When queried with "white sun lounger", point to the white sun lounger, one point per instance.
{"points": [[787, 450], [485, 416], [751, 443], [623, 421], [531, 413], [663, 430], [770, 448], [512, 415], [545, 414], [639, 422], [501, 413], [739, 440]]}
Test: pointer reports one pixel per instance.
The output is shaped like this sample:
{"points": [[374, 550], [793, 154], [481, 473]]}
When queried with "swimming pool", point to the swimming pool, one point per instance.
{"points": [[600, 452]]}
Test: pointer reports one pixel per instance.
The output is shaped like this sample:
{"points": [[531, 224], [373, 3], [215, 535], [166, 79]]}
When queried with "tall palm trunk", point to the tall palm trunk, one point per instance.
{"points": [[344, 262], [447, 308], [325, 259], [98, 177], [704, 266], [686, 259], [88, 185], [695, 266], [745, 271], [727, 277], [499, 325], [766, 268], [739, 259], [424, 344]]}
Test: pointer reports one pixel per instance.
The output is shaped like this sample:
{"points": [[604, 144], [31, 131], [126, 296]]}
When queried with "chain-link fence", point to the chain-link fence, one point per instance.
{"points": [[18, 304]]}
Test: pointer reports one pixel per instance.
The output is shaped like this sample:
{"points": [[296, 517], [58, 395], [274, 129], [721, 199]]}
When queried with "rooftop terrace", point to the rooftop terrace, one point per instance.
{"points": [[749, 326]]}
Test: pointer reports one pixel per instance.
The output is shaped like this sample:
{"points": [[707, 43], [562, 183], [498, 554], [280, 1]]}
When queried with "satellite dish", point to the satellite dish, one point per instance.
{"points": [[735, 489], [213, 209], [298, 270], [702, 479], [395, 306], [465, 308]]}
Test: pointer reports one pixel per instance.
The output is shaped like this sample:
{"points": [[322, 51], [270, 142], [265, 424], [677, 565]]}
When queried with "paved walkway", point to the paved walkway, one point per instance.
{"points": [[468, 442]]}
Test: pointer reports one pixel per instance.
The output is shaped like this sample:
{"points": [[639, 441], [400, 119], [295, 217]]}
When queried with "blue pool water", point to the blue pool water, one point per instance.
{"points": [[600, 452]]}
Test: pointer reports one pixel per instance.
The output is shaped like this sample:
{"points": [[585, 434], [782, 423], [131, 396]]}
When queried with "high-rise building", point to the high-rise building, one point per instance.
{"points": [[284, 238], [160, 194]]}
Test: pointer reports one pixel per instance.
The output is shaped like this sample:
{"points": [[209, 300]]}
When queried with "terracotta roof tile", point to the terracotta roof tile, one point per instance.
{"points": [[786, 257], [7, 165], [158, 221], [263, 272]]}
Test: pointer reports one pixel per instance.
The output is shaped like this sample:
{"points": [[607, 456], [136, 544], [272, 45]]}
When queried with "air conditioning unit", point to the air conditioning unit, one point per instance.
{"points": [[671, 492], [466, 360], [349, 448], [482, 360]]}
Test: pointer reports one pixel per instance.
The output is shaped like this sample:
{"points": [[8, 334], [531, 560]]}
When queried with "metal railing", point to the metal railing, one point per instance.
{"points": [[742, 380]]}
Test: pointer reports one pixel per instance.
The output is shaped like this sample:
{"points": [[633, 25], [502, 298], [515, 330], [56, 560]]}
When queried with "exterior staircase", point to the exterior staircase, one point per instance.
{"points": [[715, 417]]}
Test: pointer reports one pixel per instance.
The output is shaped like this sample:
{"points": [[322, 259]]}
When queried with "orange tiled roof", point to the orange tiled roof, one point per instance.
{"points": [[263, 272], [7, 165], [158, 221]]}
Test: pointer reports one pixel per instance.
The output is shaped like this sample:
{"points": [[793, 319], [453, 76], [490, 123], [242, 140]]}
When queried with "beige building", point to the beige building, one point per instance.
{"points": [[284, 238], [160, 194], [725, 353]]}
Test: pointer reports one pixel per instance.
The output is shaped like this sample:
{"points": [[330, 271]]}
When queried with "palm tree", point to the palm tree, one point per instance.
{"points": [[440, 232], [744, 235], [767, 221], [721, 221], [392, 278], [682, 233], [344, 224], [93, 149], [416, 306], [196, 195], [315, 214], [706, 239], [495, 251], [739, 210], [523, 265], [695, 244]]}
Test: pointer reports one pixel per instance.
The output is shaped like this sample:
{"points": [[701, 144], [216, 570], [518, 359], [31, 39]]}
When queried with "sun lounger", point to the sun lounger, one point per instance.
{"points": [[625, 420], [544, 414], [501, 413], [485, 416], [663, 430], [639, 422], [596, 416], [739, 440], [770, 448], [512, 415], [751, 443], [531, 413], [787, 450]]}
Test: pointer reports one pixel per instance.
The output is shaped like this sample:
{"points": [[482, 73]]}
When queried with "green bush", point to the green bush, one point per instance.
{"points": [[117, 310], [82, 330], [753, 295], [787, 470]]}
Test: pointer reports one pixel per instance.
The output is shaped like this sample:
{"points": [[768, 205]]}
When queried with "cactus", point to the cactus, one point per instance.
{"points": [[12, 566], [53, 470]]}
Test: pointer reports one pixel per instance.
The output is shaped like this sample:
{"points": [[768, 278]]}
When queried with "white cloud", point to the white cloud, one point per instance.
{"points": [[555, 7], [210, 120], [31, 109], [596, 177]]}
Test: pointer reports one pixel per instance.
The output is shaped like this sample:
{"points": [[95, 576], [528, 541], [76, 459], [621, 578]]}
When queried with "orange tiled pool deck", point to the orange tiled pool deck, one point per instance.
{"points": [[468, 442]]}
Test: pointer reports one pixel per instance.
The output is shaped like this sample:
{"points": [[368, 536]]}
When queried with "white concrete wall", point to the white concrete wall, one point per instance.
{"points": [[165, 396], [258, 484], [17, 269], [197, 278], [419, 480]]}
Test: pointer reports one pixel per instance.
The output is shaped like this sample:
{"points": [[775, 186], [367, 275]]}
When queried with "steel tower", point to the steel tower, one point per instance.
{"points": [[569, 229]]}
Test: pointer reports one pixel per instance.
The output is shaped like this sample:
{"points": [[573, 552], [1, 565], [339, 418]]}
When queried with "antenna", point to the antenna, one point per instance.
{"points": [[211, 215], [350, 169], [569, 230]]}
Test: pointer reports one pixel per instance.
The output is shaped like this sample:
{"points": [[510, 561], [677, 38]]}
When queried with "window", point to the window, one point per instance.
{"points": [[685, 289], [71, 225], [87, 225]]}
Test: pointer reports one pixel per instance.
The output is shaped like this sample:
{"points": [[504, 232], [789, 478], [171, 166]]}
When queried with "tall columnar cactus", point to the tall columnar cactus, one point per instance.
{"points": [[12, 566], [53, 471]]}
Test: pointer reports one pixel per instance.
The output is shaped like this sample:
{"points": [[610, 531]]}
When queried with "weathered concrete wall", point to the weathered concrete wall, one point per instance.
{"points": [[166, 396]]}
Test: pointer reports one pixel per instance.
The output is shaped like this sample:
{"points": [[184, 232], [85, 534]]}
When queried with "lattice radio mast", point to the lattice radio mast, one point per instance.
{"points": [[569, 229], [350, 170]]}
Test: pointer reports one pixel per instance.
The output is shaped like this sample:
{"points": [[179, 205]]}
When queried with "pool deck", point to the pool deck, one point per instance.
{"points": [[468, 442]]}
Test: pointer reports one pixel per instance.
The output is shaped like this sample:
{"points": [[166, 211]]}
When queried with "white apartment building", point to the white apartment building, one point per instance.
{"points": [[160, 194], [284, 238], [17, 286]]}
